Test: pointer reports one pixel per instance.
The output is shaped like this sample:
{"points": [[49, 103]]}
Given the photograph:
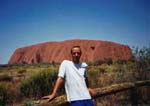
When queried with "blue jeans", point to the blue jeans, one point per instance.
{"points": [[88, 102]]}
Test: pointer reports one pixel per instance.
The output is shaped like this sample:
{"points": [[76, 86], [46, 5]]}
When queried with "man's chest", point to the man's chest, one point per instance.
{"points": [[73, 70]]}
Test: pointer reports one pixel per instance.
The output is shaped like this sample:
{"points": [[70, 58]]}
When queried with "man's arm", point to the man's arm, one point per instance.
{"points": [[58, 84]]}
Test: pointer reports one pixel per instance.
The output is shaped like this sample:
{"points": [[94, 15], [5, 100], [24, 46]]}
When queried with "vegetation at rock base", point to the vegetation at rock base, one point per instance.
{"points": [[21, 83]]}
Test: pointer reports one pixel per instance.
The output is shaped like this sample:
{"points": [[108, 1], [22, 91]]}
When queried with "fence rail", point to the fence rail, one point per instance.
{"points": [[100, 92]]}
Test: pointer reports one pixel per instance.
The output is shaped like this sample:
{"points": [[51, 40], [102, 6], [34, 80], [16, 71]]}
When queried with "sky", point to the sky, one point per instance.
{"points": [[28, 22]]}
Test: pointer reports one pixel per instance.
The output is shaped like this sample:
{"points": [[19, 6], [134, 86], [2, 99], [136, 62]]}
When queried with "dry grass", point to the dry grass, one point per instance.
{"points": [[99, 76]]}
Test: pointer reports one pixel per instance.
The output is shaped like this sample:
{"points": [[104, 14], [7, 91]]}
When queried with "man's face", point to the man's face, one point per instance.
{"points": [[76, 54]]}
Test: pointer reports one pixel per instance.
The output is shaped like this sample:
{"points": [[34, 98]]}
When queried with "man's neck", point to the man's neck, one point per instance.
{"points": [[76, 62]]}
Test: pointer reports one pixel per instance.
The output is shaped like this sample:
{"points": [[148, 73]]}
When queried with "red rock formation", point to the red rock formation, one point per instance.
{"points": [[58, 51]]}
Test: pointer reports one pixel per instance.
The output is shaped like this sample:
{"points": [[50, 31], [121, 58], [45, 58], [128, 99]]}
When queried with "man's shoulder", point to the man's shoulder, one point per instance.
{"points": [[66, 62], [84, 64]]}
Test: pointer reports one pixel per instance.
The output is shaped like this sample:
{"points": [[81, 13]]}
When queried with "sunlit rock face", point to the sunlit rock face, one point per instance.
{"points": [[92, 50]]}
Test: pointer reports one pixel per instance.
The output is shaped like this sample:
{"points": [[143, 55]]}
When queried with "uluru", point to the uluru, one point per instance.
{"points": [[92, 50]]}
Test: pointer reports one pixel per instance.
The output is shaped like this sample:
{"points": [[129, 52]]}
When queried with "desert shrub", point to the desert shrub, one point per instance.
{"points": [[120, 61], [93, 74], [39, 84], [130, 66], [142, 56], [98, 62], [22, 71], [3, 95], [142, 62], [6, 94], [5, 77], [108, 61]]}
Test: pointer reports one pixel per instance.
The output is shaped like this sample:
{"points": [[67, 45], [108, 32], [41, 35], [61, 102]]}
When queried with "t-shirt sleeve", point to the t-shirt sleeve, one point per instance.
{"points": [[86, 69], [61, 71]]}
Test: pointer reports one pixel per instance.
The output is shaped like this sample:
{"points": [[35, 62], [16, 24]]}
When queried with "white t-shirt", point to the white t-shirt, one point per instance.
{"points": [[74, 75]]}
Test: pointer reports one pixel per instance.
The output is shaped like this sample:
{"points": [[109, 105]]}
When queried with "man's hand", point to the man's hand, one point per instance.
{"points": [[49, 97], [92, 92], [58, 84]]}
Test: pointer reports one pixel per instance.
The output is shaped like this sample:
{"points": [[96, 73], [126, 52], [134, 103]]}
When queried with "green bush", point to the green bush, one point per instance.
{"points": [[3, 95], [5, 77], [39, 84], [142, 56]]}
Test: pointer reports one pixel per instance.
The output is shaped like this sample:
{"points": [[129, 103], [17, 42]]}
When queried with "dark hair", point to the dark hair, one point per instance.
{"points": [[75, 47]]}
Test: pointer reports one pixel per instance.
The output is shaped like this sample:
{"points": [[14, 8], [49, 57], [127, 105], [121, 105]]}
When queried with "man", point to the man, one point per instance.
{"points": [[74, 75]]}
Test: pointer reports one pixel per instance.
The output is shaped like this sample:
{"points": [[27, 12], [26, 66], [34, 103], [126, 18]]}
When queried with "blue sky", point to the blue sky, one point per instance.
{"points": [[28, 22]]}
